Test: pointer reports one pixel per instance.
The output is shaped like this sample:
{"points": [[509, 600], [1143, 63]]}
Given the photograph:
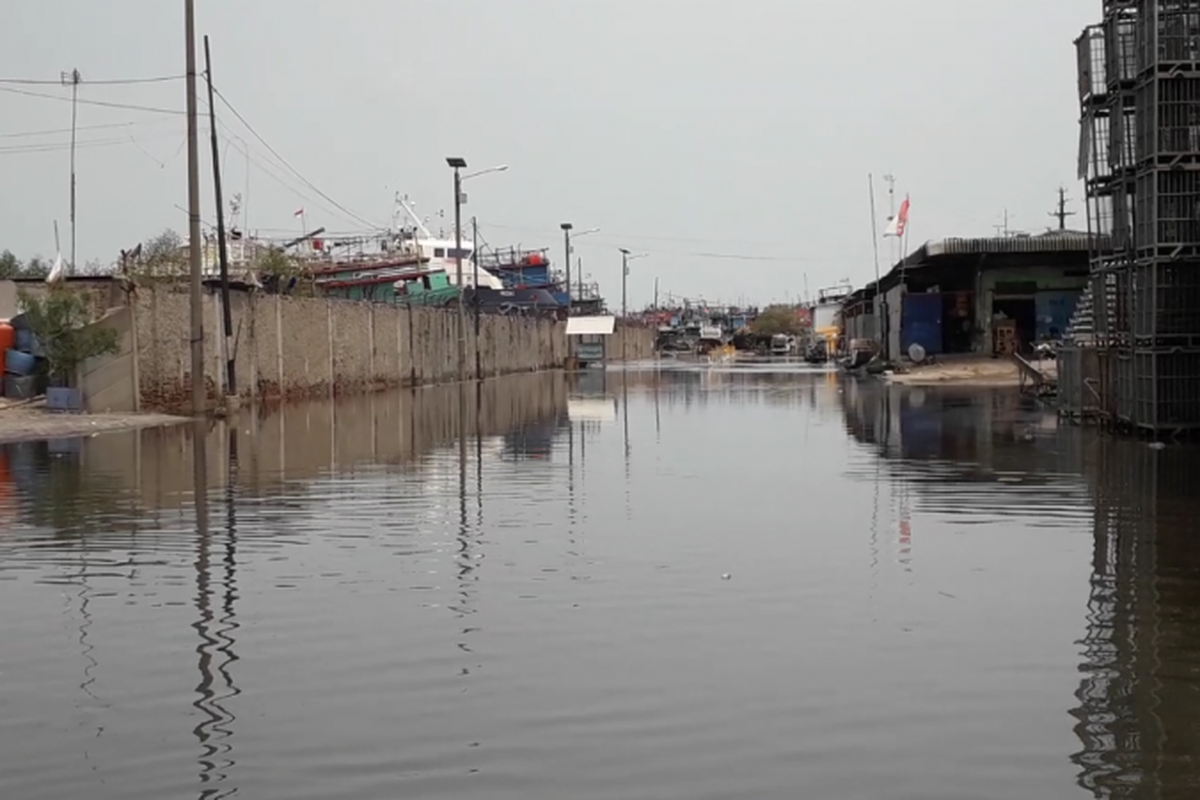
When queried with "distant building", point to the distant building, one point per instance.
{"points": [[950, 295]]}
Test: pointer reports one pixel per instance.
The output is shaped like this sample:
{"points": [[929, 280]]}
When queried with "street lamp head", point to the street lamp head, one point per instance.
{"points": [[456, 162], [566, 226], [487, 171], [625, 251]]}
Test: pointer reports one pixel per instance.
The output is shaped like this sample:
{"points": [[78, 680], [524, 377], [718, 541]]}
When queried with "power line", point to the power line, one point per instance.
{"points": [[102, 103], [781, 259], [289, 167], [261, 165], [55, 147], [643, 237], [112, 82], [55, 131]]}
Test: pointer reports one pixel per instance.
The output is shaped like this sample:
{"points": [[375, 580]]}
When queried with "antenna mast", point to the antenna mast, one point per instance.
{"points": [[1061, 214]]}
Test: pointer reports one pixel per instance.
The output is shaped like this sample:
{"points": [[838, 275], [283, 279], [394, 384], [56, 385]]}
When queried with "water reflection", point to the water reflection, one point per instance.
{"points": [[517, 589], [1139, 700], [1138, 703], [215, 650]]}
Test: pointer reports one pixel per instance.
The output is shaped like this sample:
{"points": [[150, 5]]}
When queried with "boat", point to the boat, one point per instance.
{"points": [[425, 289], [825, 315], [511, 301]]}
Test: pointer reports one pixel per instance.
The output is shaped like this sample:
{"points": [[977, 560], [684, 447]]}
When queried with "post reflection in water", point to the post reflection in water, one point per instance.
{"points": [[363, 627], [466, 553], [215, 651]]}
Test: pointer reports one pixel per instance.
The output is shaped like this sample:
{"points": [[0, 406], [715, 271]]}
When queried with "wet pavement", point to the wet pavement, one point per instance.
{"points": [[752, 580]]}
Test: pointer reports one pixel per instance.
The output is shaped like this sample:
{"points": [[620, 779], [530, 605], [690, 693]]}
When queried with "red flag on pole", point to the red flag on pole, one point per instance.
{"points": [[899, 222]]}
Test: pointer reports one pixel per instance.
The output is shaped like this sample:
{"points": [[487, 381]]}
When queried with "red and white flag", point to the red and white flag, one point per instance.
{"points": [[300, 212], [899, 222]]}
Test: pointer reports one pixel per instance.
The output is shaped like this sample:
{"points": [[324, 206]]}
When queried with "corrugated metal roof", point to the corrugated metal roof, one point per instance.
{"points": [[590, 326], [1049, 242], [1052, 242]]}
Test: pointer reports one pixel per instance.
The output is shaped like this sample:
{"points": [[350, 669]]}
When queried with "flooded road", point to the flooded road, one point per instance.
{"points": [[753, 581]]}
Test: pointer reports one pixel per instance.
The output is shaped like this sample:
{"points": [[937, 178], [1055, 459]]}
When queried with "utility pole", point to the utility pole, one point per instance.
{"points": [[73, 79], [475, 294], [566, 229], [222, 248], [624, 309], [1061, 214], [1002, 227], [458, 164], [199, 399]]}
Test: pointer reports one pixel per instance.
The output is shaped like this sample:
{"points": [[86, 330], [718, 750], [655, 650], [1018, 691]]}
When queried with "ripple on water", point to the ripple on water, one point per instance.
{"points": [[552, 620]]}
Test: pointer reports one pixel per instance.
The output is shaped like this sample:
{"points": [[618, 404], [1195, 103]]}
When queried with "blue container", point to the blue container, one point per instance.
{"points": [[18, 363], [18, 387], [62, 398], [25, 340]]}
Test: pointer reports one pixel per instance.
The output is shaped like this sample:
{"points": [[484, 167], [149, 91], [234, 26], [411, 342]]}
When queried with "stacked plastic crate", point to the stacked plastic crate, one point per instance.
{"points": [[1107, 64], [1140, 161], [1159, 299]]}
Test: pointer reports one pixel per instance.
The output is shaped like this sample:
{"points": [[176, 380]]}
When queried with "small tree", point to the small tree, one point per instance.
{"points": [[61, 320], [10, 266], [161, 256], [94, 267], [278, 267], [777, 319], [37, 267]]}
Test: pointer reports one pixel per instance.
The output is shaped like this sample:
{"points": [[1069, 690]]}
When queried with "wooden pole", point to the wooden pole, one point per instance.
{"points": [[199, 398], [222, 247]]}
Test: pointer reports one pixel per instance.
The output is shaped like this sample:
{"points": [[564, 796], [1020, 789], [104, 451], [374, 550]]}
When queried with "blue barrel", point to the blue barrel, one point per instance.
{"points": [[18, 387], [25, 340], [18, 363]]}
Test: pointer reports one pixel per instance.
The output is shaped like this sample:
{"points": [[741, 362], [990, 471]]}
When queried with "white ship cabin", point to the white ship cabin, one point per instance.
{"points": [[442, 254]]}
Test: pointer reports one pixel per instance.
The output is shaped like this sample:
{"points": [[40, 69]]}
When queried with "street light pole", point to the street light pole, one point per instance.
{"points": [[626, 257], [457, 164], [475, 294], [624, 309], [566, 229]]}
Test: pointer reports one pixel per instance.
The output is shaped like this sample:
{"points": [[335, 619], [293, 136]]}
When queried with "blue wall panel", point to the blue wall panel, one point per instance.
{"points": [[921, 322]]}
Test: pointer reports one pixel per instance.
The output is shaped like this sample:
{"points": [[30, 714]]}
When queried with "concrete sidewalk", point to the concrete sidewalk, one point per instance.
{"points": [[30, 421], [968, 370]]}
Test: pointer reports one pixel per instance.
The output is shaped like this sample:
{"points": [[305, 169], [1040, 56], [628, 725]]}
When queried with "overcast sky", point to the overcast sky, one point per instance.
{"points": [[730, 141]]}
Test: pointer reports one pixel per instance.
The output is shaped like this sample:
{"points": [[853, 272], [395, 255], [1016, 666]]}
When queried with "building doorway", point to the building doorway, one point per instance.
{"points": [[1022, 310], [958, 321]]}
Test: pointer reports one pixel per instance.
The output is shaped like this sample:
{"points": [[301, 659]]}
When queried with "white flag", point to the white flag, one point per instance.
{"points": [[899, 222]]}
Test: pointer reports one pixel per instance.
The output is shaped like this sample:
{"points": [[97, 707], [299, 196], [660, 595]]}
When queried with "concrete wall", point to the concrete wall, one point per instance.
{"points": [[8, 300], [109, 383], [103, 292], [291, 347], [638, 340], [304, 347]]}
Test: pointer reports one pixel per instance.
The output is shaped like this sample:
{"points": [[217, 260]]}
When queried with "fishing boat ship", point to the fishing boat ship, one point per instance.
{"points": [[825, 315], [522, 270]]}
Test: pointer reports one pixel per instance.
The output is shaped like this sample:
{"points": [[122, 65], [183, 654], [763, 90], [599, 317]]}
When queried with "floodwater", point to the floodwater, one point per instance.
{"points": [[752, 581]]}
